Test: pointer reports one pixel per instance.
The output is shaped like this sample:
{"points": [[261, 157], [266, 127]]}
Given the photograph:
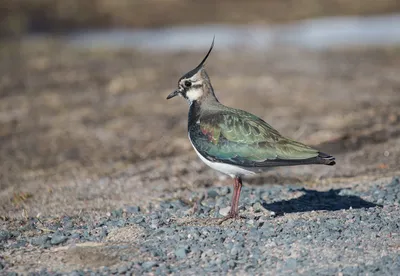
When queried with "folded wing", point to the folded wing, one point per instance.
{"points": [[246, 140]]}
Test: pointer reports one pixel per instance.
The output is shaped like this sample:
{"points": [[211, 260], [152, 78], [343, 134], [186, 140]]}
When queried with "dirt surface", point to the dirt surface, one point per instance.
{"points": [[86, 132]]}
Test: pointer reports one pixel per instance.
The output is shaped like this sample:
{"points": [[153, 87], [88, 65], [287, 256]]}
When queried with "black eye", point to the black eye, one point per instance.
{"points": [[188, 83]]}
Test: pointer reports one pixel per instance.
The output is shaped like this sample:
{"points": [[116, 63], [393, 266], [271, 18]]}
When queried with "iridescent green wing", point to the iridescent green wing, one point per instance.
{"points": [[244, 139]]}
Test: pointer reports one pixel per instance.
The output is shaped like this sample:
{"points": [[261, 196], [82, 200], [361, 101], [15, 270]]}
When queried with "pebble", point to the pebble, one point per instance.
{"points": [[235, 251], [139, 220], [18, 244], [250, 222], [257, 207], [132, 209], [181, 253], [41, 240], [68, 225], [149, 265], [58, 239], [209, 202], [231, 264], [212, 194], [291, 264], [395, 181], [5, 235], [224, 211], [224, 191], [117, 213], [123, 269]]}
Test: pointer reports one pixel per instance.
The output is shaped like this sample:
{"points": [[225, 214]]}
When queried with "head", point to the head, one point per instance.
{"points": [[195, 85]]}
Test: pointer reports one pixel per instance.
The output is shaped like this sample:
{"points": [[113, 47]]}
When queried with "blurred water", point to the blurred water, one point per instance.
{"points": [[312, 34]]}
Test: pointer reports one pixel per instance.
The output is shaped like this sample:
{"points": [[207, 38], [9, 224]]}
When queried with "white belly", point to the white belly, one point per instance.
{"points": [[228, 169]]}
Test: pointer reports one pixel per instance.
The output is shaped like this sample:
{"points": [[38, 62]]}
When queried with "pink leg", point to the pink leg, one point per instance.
{"points": [[234, 212], [237, 187]]}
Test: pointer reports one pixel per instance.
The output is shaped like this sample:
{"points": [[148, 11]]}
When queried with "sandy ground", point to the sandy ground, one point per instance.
{"points": [[90, 131]]}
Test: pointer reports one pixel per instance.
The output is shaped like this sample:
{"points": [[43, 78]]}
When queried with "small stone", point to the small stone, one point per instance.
{"points": [[220, 201], [395, 181], [149, 265], [291, 264], [121, 223], [212, 194], [133, 209], [181, 253], [391, 197], [195, 249], [75, 236], [20, 243], [212, 268], [257, 207], [103, 233], [218, 261], [123, 269], [68, 224], [231, 232], [124, 258], [41, 240], [234, 251], [209, 202], [159, 271], [259, 223], [350, 270], [58, 239], [250, 222], [116, 213], [5, 235], [208, 253], [224, 191], [155, 224], [15, 234], [139, 220], [224, 211], [249, 267]]}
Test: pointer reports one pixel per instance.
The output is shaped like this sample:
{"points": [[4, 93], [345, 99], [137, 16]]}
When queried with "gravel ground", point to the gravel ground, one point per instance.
{"points": [[287, 230]]}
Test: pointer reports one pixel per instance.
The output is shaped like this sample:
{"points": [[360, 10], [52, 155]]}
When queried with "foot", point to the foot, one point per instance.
{"points": [[231, 215]]}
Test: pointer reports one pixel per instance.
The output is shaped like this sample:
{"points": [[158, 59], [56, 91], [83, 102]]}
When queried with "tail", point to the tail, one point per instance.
{"points": [[325, 159]]}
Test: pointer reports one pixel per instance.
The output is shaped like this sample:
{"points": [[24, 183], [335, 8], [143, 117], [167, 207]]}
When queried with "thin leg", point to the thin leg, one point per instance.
{"points": [[237, 187], [234, 212]]}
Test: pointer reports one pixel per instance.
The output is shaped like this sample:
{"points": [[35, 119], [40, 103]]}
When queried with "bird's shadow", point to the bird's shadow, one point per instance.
{"points": [[313, 200]]}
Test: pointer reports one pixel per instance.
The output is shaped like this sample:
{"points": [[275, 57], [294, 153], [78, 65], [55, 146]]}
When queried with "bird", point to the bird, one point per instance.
{"points": [[233, 141]]}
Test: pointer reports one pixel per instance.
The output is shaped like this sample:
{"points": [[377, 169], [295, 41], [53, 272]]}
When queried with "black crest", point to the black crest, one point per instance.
{"points": [[195, 70]]}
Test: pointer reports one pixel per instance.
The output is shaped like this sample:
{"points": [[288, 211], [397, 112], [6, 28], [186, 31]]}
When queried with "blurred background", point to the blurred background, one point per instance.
{"points": [[25, 16], [83, 118]]}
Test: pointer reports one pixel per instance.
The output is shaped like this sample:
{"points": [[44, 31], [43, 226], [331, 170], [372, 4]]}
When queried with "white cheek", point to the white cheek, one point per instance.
{"points": [[194, 94]]}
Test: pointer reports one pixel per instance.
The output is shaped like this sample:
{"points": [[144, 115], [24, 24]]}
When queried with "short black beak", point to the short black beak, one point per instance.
{"points": [[173, 94]]}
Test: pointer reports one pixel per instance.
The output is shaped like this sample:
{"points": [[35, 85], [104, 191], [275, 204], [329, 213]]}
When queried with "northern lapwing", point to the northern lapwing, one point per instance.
{"points": [[234, 141]]}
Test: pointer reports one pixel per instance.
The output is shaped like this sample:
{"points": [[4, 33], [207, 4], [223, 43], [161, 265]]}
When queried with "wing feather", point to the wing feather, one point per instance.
{"points": [[244, 139]]}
